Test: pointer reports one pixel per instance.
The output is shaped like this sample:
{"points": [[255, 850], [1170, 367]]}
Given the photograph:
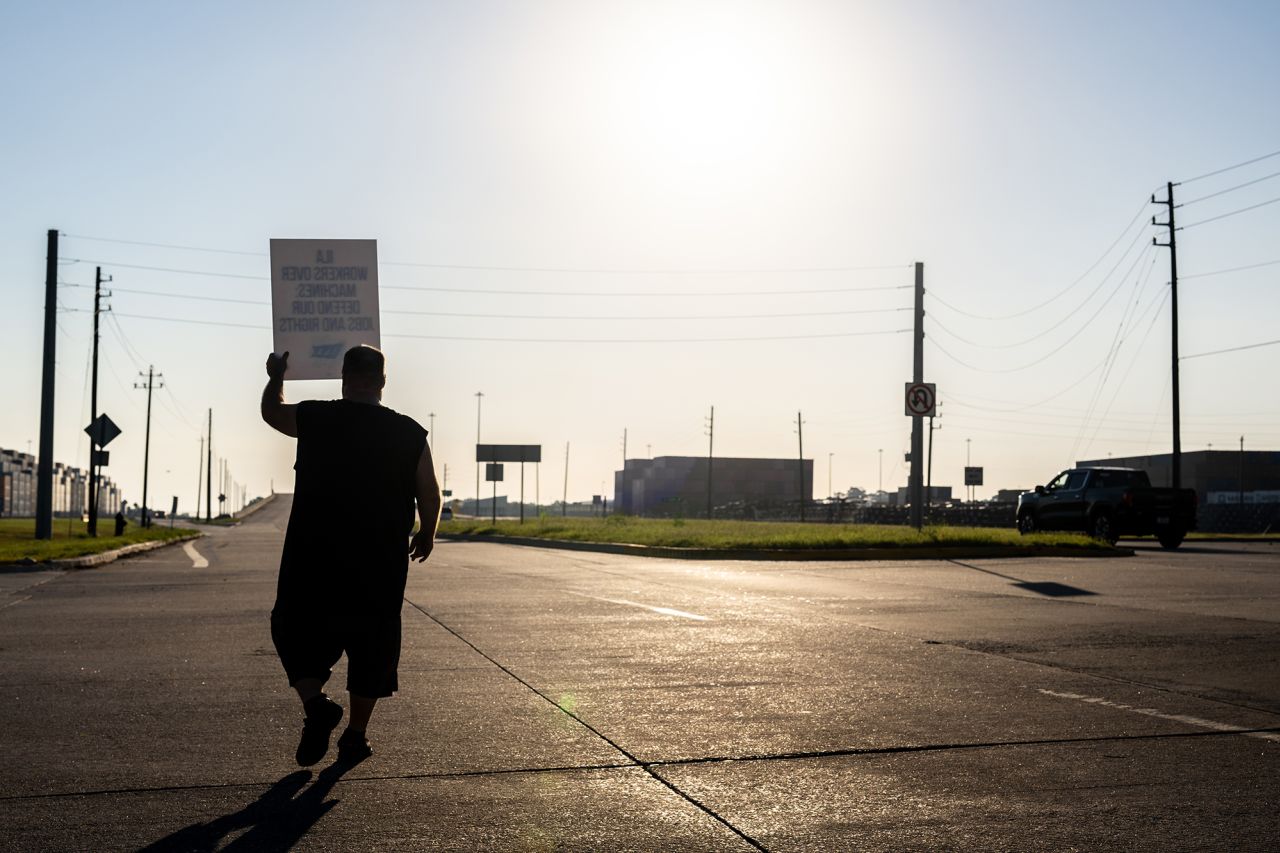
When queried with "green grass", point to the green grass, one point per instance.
{"points": [[18, 542], [724, 535]]}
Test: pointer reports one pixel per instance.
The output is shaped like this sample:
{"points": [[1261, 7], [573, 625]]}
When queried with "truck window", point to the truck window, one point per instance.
{"points": [[1058, 482], [1075, 480], [1121, 479]]}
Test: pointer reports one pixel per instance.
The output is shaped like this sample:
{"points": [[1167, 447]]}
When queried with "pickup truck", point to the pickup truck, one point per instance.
{"points": [[1107, 503]]}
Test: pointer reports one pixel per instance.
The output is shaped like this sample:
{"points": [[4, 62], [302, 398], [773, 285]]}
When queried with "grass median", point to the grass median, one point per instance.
{"points": [[764, 535], [71, 539]]}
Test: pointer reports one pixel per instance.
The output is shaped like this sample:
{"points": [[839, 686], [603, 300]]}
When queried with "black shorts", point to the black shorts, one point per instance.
{"points": [[311, 632]]}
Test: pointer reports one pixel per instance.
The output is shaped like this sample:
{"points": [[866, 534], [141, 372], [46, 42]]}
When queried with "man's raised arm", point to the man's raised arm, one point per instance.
{"points": [[427, 491], [275, 411]]}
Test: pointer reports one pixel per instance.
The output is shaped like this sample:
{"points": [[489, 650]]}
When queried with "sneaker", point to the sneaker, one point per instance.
{"points": [[323, 715], [353, 747]]}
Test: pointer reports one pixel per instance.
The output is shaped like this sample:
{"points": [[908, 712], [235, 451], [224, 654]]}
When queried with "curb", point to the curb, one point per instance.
{"points": [[1266, 540], [805, 555], [89, 561]]}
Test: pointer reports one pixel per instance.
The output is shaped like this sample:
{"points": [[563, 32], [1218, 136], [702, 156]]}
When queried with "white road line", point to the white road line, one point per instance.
{"points": [[15, 601], [197, 561], [665, 611], [1199, 722]]}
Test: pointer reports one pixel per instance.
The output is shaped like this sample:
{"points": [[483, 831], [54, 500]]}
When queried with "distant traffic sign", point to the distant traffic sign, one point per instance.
{"points": [[508, 452], [922, 399], [493, 472], [972, 475], [103, 430]]}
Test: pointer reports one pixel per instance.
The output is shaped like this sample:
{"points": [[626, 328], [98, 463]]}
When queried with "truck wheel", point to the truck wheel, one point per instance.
{"points": [[1027, 523], [1102, 527], [1170, 539]]}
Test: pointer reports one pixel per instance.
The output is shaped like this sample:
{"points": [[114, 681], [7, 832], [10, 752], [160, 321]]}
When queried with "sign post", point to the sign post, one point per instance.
{"points": [[324, 300], [521, 453], [102, 431], [972, 477], [493, 474]]}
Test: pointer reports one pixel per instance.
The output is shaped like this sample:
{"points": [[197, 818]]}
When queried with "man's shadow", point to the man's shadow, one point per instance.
{"points": [[275, 821]]}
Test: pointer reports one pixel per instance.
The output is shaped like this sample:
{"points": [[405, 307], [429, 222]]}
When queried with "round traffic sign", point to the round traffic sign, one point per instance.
{"points": [[921, 399]]}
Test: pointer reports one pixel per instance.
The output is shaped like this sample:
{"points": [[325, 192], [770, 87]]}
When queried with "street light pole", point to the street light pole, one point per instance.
{"points": [[479, 396]]}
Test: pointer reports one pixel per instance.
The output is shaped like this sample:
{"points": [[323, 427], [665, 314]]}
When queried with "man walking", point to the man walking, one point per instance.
{"points": [[360, 468]]}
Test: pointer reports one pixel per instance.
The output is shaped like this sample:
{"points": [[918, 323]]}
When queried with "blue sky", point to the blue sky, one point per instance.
{"points": [[641, 150]]}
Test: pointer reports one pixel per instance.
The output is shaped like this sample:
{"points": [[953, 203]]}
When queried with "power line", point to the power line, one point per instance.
{"points": [[1114, 357], [1038, 403], [1232, 189], [550, 340], [1232, 349], [1230, 168], [1232, 213], [163, 245], [1087, 324], [769, 316], [501, 268], [191, 296], [1066, 289], [1231, 269], [508, 292]]}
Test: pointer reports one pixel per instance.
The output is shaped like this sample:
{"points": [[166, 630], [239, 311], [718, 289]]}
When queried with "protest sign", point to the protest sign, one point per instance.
{"points": [[324, 300]]}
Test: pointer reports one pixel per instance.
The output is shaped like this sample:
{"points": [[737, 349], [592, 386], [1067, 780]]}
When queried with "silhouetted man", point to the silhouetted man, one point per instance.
{"points": [[359, 469]]}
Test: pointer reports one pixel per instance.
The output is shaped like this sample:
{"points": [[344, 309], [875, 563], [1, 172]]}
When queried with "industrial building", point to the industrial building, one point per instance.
{"points": [[677, 485], [1218, 476], [70, 488]]}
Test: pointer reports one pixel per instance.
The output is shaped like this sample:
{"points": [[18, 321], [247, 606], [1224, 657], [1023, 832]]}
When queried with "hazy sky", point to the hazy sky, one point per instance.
{"points": [[615, 215]]}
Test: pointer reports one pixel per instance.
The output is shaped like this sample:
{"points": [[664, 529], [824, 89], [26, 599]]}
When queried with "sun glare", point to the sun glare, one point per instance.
{"points": [[701, 97]]}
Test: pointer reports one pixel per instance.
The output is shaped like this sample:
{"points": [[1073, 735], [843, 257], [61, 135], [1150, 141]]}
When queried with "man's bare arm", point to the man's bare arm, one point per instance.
{"points": [[275, 411], [427, 491]]}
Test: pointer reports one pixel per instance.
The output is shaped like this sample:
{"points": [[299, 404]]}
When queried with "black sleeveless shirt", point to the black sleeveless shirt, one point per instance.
{"points": [[354, 488]]}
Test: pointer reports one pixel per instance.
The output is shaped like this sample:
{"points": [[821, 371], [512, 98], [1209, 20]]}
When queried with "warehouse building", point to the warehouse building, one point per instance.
{"points": [[677, 485]]}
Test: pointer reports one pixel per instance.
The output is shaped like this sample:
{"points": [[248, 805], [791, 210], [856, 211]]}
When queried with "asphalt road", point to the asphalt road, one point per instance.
{"points": [[575, 701]]}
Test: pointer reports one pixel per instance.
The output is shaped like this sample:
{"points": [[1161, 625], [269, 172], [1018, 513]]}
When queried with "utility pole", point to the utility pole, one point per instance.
{"points": [[1172, 246], [564, 501], [929, 485], [431, 431], [800, 433], [95, 449], [1242, 471], [711, 443], [44, 466], [830, 493], [916, 482], [967, 462], [880, 488], [146, 451], [208, 480], [624, 448], [479, 397], [200, 476]]}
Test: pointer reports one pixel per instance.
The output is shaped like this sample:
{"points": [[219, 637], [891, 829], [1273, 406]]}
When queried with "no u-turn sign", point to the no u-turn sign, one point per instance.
{"points": [[922, 399]]}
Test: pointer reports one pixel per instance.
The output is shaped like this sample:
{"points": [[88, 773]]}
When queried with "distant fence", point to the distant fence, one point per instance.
{"points": [[1211, 518], [1237, 518]]}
